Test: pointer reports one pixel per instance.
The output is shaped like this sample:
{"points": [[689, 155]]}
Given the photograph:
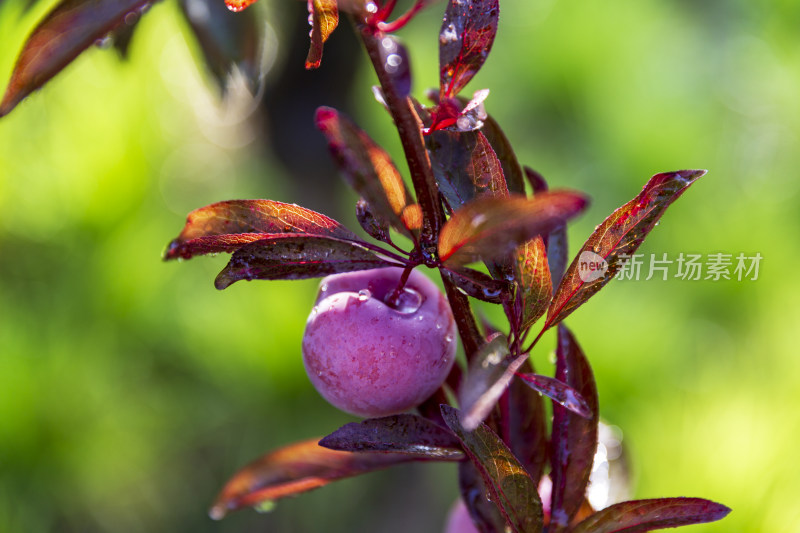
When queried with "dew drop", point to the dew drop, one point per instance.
{"points": [[371, 7], [438, 326], [364, 295], [448, 338], [104, 42], [409, 301], [449, 34]]}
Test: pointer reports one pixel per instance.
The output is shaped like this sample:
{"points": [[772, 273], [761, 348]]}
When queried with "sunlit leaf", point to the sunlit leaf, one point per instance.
{"points": [[485, 514], [489, 228], [366, 166], [557, 391], [239, 5], [465, 166], [466, 36], [400, 434], [574, 437], [294, 469], [297, 257], [646, 515], [618, 237], [227, 226], [324, 17], [69, 29], [527, 425], [480, 389], [512, 489], [534, 284], [227, 40]]}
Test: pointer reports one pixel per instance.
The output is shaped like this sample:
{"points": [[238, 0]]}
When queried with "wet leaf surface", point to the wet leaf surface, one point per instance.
{"points": [[618, 236], [69, 29], [400, 434], [297, 257], [480, 389], [295, 469], [557, 391], [375, 227], [485, 514], [510, 486], [489, 228], [477, 284], [535, 287], [227, 226], [574, 438], [227, 40], [465, 39], [324, 17], [512, 171], [646, 515], [366, 166]]}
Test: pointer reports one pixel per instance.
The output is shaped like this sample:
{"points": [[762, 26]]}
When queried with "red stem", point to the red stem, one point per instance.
{"points": [[404, 19]]}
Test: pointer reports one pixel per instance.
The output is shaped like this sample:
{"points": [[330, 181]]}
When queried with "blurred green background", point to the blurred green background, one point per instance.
{"points": [[131, 389]]}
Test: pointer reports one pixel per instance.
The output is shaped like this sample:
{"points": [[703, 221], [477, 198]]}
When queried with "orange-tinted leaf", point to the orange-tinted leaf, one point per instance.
{"points": [[465, 166], [616, 238], [69, 29], [512, 489], [639, 516], [239, 5], [227, 40], [574, 438], [294, 469], [227, 226], [366, 166], [400, 434], [489, 228], [297, 257], [533, 277], [465, 39], [324, 17], [512, 171]]}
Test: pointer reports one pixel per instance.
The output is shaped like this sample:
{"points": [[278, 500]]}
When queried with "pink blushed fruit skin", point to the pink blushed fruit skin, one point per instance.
{"points": [[369, 359], [458, 520]]}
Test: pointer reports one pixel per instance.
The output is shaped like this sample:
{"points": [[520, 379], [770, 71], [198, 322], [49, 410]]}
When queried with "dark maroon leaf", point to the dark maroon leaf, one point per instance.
{"points": [[374, 226], [394, 59], [557, 391], [400, 434], [69, 29], [535, 287], [527, 426], [123, 35], [227, 226], [536, 180], [511, 488], [366, 166], [618, 237], [646, 515], [477, 284], [465, 166], [574, 438], [324, 17], [297, 257], [557, 255], [227, 40], [485, 515], [465, 39], [505, 153], [480, 389], [294, 469], [489, 228]]}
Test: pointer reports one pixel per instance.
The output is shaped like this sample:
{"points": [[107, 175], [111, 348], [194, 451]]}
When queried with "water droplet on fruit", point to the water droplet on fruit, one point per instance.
{"points": [[364, 295], [448, 338], [408, 301]]}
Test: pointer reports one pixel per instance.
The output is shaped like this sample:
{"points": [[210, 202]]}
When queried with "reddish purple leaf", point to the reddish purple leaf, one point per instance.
{"points": [[477, 284], [227, 40], [574, 438], [505, 153], [616, 238], [465, 166], [480, 389], [394, 59], [69, 29], [536, 180], [646, 515], [527, 425], [489, 228], [297, 257], [511, 487], [485, 515], [227, 226], [366, 166], [535, 287], [375, 227], [400, 434], [294, 469], [324, 17], [465, 39], [557, 255], [557, 391]]}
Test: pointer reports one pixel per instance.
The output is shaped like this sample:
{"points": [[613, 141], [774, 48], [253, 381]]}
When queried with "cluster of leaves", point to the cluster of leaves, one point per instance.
{"points": [[472, 202]]}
